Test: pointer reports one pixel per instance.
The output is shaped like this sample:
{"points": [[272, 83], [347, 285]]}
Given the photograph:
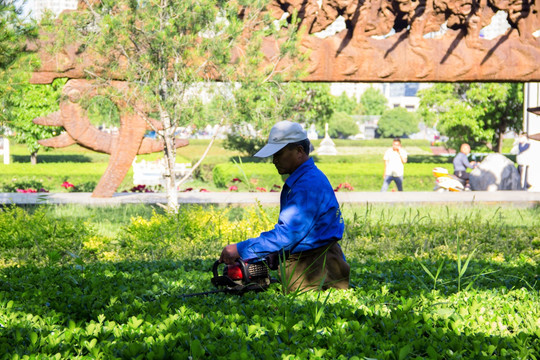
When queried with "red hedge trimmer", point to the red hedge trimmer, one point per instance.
{"points": [[239, 278]]}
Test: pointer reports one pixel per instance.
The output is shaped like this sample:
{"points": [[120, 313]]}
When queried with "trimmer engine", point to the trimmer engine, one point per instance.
{"points": [[241, 277]]}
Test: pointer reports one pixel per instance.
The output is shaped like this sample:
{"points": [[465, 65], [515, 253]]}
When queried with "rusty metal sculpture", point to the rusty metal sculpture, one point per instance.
{"points": [[123, 147], [391, 40], [419, 40], [383, 40]]}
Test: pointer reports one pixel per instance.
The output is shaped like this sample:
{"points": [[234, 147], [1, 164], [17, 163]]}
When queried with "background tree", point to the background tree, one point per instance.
{"points": [[348, 105], [14, 60], [476, 113], [397, 122], [166, 50], [373, 102], [28, 103], [261, 107], [14, 32], [342, 125]]}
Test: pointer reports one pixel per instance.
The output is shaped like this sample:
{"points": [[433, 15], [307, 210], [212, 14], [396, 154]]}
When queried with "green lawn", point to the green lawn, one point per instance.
{"points": [[358, 163]]}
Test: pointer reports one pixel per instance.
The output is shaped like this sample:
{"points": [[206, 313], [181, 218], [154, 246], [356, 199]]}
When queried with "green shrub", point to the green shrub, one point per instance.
{"points": [[245, 144], [342, 126], [36, 236], [193, 232], [265, 174], [122, 297], [397, 122], [363, 177], [23, 184]]}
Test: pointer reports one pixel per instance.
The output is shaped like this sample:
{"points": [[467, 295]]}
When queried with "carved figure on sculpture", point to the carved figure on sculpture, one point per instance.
{"points": [[523, 15], [466, 16], [416, 14], [384, 40], [123, 147], [307, 11], [331, 9]]}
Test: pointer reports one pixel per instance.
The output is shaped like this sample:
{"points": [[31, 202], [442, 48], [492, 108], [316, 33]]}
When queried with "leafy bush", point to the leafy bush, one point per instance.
{"points": [[37, 237], [397, 122], [23, 184], [342, 126], [113, 302], [245, 144], [362, 177], [52, 175], [194, 232]]}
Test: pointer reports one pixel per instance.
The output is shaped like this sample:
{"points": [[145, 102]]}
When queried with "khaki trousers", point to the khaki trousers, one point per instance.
{"points": [[320, 268]]}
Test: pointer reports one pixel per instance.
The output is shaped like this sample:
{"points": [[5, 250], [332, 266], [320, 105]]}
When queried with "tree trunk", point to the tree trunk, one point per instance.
{"points": [[170, 161], [500, 138], [33, 158]]}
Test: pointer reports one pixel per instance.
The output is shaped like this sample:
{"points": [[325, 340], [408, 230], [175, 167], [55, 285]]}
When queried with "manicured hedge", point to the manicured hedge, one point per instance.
{"points": [[51, 175], [363, 177]]}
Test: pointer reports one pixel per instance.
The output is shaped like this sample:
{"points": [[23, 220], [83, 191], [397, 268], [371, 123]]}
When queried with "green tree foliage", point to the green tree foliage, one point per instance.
{"points": [[373, 102], [14, 60], [342, 126], [20, 102], [103, 112], [348, 105], [29, 102], [262, 107], [476, 113], [397, 122], [170, 51], [14, 31]]}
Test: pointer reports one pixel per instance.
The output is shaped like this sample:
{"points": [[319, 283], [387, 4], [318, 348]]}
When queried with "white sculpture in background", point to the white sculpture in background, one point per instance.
{"points": [[312, 133], [327, 146], [151, 173]]}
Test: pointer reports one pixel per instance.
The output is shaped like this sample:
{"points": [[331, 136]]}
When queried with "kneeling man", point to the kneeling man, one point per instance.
{"points": [[310, 222]]}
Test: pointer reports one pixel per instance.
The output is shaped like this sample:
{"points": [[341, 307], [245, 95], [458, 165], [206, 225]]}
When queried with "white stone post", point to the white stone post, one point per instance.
{"points": [[531, 125], [5, 150]]}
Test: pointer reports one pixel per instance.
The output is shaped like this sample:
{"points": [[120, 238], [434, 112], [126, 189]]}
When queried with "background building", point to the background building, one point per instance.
{"points": [[38, 7]]}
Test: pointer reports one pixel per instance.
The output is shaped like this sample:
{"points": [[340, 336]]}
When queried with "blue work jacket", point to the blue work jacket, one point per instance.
{"points": [[309, 216]]}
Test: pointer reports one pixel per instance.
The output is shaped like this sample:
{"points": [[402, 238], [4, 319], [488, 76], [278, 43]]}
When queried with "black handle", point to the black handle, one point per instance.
{"points": [[243, 267]]}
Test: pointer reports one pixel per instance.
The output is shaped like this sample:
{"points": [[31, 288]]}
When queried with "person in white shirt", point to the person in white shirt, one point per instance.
{"points": [[394, 158]]}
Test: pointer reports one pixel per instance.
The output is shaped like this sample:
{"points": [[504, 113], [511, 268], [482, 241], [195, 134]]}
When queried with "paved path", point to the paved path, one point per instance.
{"points": [[513, 198]]}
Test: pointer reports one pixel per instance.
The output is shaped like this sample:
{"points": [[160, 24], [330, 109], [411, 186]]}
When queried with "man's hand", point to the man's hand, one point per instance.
{"points": [[229, 254]]}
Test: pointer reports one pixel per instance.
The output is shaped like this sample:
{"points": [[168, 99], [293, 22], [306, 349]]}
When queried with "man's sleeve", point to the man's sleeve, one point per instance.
{"points": [[404, 154], [296, 219]]}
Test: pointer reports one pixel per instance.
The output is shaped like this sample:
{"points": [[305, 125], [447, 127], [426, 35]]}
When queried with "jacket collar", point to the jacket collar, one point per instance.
{"points": [[299, 172]]}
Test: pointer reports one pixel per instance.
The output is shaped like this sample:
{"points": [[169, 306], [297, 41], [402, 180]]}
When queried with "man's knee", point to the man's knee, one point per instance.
{"points": [[321, 268]]}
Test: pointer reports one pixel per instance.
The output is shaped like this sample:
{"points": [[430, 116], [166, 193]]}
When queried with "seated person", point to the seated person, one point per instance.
{"points": [[461, 163], [310, 222]]}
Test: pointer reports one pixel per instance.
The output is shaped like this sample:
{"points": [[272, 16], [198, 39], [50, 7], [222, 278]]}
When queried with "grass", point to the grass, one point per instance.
{"points": [[359, 163]]}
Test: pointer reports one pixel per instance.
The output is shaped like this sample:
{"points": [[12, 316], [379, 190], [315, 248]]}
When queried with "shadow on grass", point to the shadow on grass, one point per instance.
{"points": [[390, 314]]}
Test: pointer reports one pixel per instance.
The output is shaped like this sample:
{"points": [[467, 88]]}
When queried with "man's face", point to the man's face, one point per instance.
{"points": [[396, 145], [286, 160]]}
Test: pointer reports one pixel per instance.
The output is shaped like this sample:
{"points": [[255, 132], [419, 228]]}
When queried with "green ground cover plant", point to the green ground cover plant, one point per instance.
{"points": [[70, 289]]}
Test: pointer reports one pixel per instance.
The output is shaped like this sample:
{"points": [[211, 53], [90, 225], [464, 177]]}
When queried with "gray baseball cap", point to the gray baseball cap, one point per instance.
{"points": [[283, 133]]}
